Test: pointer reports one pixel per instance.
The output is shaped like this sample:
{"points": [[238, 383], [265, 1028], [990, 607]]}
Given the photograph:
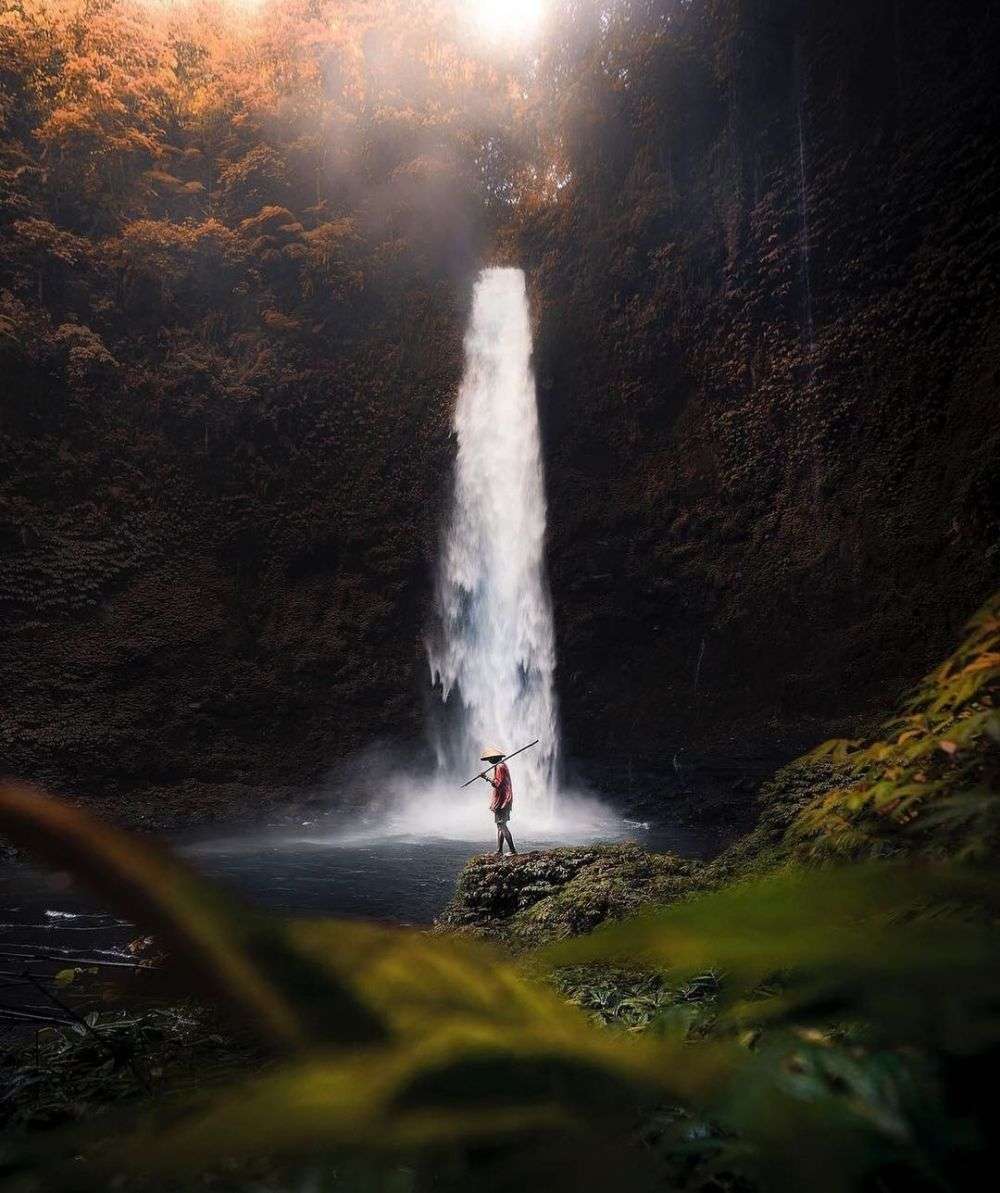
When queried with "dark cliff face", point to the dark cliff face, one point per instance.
{"points": [[768, 352], [225, 586], [230, 337]]}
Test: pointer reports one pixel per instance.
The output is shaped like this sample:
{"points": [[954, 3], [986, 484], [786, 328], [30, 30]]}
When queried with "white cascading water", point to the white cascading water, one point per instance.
{"points": [[493, 647]]}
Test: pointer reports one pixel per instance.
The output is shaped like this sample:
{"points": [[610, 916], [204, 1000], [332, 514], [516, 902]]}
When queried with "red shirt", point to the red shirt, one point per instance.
{"points": [[503, 793]]}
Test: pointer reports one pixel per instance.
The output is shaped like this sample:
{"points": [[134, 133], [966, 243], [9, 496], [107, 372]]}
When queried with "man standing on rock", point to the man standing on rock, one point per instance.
{"points": [[503, 797]]}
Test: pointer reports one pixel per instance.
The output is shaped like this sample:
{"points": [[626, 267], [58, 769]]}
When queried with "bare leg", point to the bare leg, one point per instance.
{"points": [[500, 831], [505, 831]]}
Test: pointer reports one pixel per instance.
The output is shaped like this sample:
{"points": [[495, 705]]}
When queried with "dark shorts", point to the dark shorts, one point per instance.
{"points": [[502, 816]]}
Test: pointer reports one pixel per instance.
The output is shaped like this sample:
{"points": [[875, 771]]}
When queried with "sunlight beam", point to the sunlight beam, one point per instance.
{"points": [[505, 21]]}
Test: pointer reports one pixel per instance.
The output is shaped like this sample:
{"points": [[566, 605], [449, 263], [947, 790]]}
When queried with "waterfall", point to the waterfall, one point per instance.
{"points": [[491, 651]]}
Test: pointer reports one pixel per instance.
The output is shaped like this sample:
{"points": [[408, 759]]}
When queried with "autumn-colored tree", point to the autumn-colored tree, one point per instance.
{"points": [[235, 244]]}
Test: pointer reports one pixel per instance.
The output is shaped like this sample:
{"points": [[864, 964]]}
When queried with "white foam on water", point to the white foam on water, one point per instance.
{"points": [[419, 810]]}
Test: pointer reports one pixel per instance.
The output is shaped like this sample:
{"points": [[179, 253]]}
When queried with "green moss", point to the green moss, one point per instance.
{"points": [[928, 781], [781, 800]]}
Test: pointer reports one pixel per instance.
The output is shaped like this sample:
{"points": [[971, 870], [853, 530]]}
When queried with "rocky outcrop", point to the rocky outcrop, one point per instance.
{"points": [[550, 894]]}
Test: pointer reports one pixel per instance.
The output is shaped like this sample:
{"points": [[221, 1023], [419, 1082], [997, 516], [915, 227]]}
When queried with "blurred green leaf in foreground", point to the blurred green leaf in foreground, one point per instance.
{"points": [[846, 1001]]}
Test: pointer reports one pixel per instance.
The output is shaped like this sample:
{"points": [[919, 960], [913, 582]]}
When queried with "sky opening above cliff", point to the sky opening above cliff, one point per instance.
{"points": [[505, 21]]}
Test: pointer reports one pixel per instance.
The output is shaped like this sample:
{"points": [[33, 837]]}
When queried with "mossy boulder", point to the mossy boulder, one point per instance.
{"points": [[556, 893], [780, 801]]}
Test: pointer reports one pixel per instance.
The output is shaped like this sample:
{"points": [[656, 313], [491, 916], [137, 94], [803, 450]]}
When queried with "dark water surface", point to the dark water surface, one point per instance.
{"points": [[320, 868]]}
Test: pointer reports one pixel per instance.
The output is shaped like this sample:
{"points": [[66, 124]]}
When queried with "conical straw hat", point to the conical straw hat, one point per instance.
{"points": [[490, 752]]}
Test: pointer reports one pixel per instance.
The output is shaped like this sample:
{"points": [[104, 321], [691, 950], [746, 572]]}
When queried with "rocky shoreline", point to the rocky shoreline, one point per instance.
{"points": [[555, 893], [532, 898]]}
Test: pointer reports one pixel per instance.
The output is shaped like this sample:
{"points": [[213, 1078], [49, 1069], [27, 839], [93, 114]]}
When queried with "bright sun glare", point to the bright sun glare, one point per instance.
{"points": [[505, 20]]}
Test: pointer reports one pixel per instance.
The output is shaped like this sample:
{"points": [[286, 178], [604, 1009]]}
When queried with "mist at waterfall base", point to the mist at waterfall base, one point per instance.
{"points": [[415, 804]]}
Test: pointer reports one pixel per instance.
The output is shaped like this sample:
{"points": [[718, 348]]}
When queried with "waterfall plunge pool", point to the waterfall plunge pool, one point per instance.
{"points": [[380, 867]]}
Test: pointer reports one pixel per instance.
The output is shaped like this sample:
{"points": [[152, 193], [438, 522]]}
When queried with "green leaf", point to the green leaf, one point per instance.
{"points": [[230, 950], [858, 942], [461, 1084]]}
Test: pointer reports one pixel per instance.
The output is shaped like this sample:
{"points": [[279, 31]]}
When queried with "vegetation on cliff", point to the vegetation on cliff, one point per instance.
{"points": [[937, 774], [235, 250], [767, 350]]}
